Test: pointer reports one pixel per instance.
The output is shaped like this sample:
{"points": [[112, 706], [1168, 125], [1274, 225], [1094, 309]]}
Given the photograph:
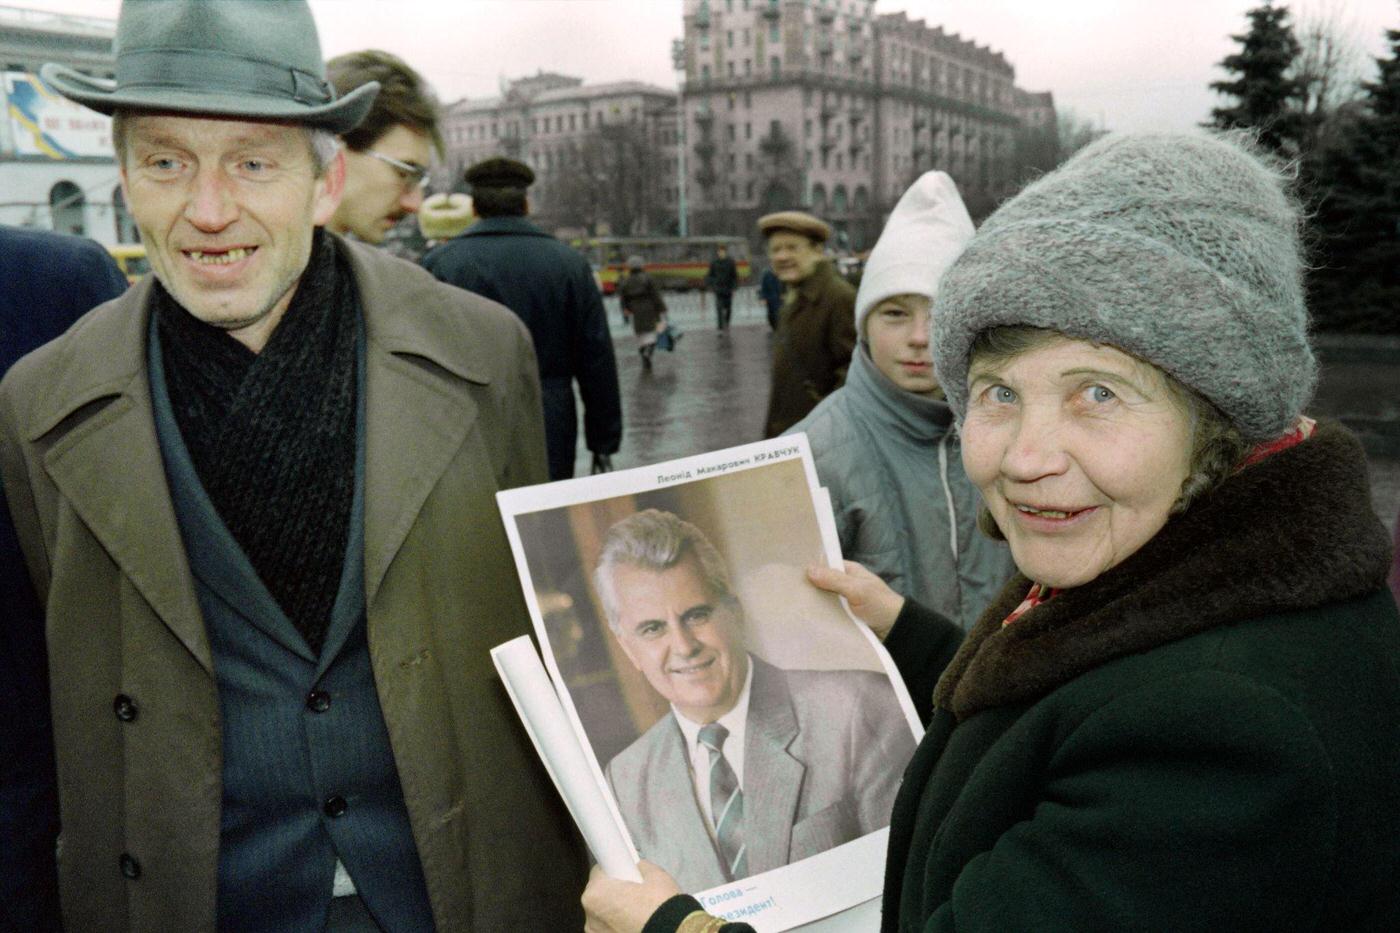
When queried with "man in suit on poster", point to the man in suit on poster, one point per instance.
{"points": [[754, 767]]}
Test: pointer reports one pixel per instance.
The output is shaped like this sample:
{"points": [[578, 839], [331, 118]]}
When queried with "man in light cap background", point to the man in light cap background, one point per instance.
{"points": [[256, 498], [884, 443], [816, 330], [388, 153], [551, 287]]}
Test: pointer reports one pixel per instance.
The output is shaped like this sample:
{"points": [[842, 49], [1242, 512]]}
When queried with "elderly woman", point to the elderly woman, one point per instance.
{"points": [[1184, 714]]}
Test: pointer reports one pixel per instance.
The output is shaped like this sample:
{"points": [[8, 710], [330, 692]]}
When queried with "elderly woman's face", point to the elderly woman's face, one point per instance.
{"points": [[1079, 451]]}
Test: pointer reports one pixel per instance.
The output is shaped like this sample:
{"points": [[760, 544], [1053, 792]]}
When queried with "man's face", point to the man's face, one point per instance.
{"points": [[378, 195], [792, 256], [688, 645], [226, 209]]}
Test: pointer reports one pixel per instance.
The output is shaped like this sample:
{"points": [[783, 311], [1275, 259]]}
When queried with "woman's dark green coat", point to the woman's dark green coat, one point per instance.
{"points": [[1206, 737]]}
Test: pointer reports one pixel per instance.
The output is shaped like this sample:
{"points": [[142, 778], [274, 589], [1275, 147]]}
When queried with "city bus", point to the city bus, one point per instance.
{"points": [[673, 262]]}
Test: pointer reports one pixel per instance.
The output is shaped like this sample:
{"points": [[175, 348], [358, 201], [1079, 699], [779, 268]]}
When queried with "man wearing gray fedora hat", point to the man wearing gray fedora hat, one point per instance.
{"points": [[256, 498]]}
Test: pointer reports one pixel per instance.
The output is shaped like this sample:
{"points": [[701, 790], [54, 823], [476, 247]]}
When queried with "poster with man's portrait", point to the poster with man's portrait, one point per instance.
{"points": [[748, 734]]}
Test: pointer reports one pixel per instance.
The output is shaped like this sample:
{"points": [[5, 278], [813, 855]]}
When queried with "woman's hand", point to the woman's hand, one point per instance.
{"points": [[614, 906], [870, 598]]}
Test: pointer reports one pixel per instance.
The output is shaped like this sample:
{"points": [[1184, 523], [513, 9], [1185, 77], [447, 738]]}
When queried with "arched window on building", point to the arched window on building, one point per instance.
{"points": [[66, 204], [819, 199], [862, 199], [126, 227], [839, 201]]}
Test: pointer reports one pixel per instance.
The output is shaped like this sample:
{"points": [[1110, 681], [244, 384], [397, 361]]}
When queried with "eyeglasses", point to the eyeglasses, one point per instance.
{"points": [[412, 176]]}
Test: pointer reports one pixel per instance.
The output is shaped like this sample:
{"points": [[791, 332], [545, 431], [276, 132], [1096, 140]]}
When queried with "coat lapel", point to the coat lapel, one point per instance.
{"points": [[109, 468], [683, 840], [772, 776], [416, 416]]}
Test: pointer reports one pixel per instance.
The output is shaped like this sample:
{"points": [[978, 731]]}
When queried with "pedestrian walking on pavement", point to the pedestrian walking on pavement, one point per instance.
{"points": [[550, 287], [723, 279], [770, 287], [643, 305]]}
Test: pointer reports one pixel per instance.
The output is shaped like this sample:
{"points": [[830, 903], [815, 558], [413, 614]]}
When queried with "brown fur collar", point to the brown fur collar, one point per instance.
{"points": [[1294, 531]]}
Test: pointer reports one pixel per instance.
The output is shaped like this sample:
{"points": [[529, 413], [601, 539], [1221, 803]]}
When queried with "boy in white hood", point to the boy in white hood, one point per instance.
{"points": [[884, 443]]}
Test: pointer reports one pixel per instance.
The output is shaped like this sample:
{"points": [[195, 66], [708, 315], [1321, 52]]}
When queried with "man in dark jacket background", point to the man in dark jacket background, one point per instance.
{"points": [[49, 282], [723, 279], [508, 259]]}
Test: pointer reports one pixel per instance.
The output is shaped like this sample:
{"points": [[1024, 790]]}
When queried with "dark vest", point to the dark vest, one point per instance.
{"points": [[308, 772]]}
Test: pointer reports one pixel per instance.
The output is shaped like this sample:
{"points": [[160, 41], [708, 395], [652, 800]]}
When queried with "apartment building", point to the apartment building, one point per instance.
{"points": [[824, 104]]}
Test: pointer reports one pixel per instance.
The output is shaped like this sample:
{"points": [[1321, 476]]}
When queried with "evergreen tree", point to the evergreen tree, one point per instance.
{"points": [[1355, 285], [1267, 96]]}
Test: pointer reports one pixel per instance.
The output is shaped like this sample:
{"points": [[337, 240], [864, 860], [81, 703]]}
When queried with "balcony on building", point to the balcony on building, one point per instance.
{"points": [[772, 11]]}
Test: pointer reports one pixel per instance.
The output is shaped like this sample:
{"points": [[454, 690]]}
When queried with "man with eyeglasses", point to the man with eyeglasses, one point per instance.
{"points": [[386, 156]]}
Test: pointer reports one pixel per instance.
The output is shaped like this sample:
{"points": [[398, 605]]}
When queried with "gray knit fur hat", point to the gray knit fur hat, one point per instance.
{"points": [[1181, 249]]}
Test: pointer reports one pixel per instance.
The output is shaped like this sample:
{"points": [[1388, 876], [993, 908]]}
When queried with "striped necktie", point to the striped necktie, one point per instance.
{"points": [[726, 803]]}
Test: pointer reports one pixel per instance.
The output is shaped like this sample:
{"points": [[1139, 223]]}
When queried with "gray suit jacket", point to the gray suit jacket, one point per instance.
{"points": [[823, 757]]}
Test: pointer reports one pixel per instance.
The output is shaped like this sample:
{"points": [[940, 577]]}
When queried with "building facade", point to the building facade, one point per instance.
{"points": [[604, 155], [824, 105], [57, 171]]}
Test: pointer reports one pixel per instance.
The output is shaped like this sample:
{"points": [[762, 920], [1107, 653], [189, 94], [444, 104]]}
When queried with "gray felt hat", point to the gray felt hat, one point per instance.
{"points": [[258, 59], [1181, 249]]}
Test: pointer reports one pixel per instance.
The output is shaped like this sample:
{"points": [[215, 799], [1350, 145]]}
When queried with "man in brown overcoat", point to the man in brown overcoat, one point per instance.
{"points": [[256, 497], [816, 327]]}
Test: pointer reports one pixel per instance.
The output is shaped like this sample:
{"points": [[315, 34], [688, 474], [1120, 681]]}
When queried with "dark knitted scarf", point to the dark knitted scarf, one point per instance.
{"points": [[272, 434]]}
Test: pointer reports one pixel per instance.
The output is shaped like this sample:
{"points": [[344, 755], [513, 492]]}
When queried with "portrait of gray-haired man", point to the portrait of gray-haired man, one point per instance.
{"points": [[754, 767]]}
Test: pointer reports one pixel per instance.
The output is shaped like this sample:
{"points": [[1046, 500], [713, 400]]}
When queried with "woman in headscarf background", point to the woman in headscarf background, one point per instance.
{"points": [[642, 303], [884, 443], [1184, 713]]}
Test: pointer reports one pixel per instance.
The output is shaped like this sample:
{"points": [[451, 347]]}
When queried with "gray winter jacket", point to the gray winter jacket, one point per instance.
{"points": [[904, 507]]}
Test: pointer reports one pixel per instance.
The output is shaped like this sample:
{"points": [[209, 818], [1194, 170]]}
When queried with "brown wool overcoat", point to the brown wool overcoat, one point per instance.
{"points": [[452, 415], [812, 346]]}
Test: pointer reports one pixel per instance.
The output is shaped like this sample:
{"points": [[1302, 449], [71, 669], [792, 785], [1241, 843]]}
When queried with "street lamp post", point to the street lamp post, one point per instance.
{"points": [[678, 62]]}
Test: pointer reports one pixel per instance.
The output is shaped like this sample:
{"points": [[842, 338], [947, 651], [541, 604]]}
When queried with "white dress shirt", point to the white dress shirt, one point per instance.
{"points": [[735, 721]]}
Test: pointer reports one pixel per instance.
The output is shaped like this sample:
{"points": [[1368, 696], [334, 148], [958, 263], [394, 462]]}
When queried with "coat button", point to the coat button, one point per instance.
{"points": [[318, 701], [335, 806], [124, 707], [130, 867]]}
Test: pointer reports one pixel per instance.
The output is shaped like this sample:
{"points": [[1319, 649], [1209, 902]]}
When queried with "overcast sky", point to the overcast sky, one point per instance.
{"points": [[1124, 64]]}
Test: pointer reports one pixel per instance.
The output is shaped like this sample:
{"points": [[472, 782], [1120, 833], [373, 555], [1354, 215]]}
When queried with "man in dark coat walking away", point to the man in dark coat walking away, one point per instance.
{"points": [[49, 282], [816, 331], [723, 278], [508, 259]]}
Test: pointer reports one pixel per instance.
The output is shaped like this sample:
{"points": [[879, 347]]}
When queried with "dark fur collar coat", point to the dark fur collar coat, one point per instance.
{"points": [[1205, 737]]}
